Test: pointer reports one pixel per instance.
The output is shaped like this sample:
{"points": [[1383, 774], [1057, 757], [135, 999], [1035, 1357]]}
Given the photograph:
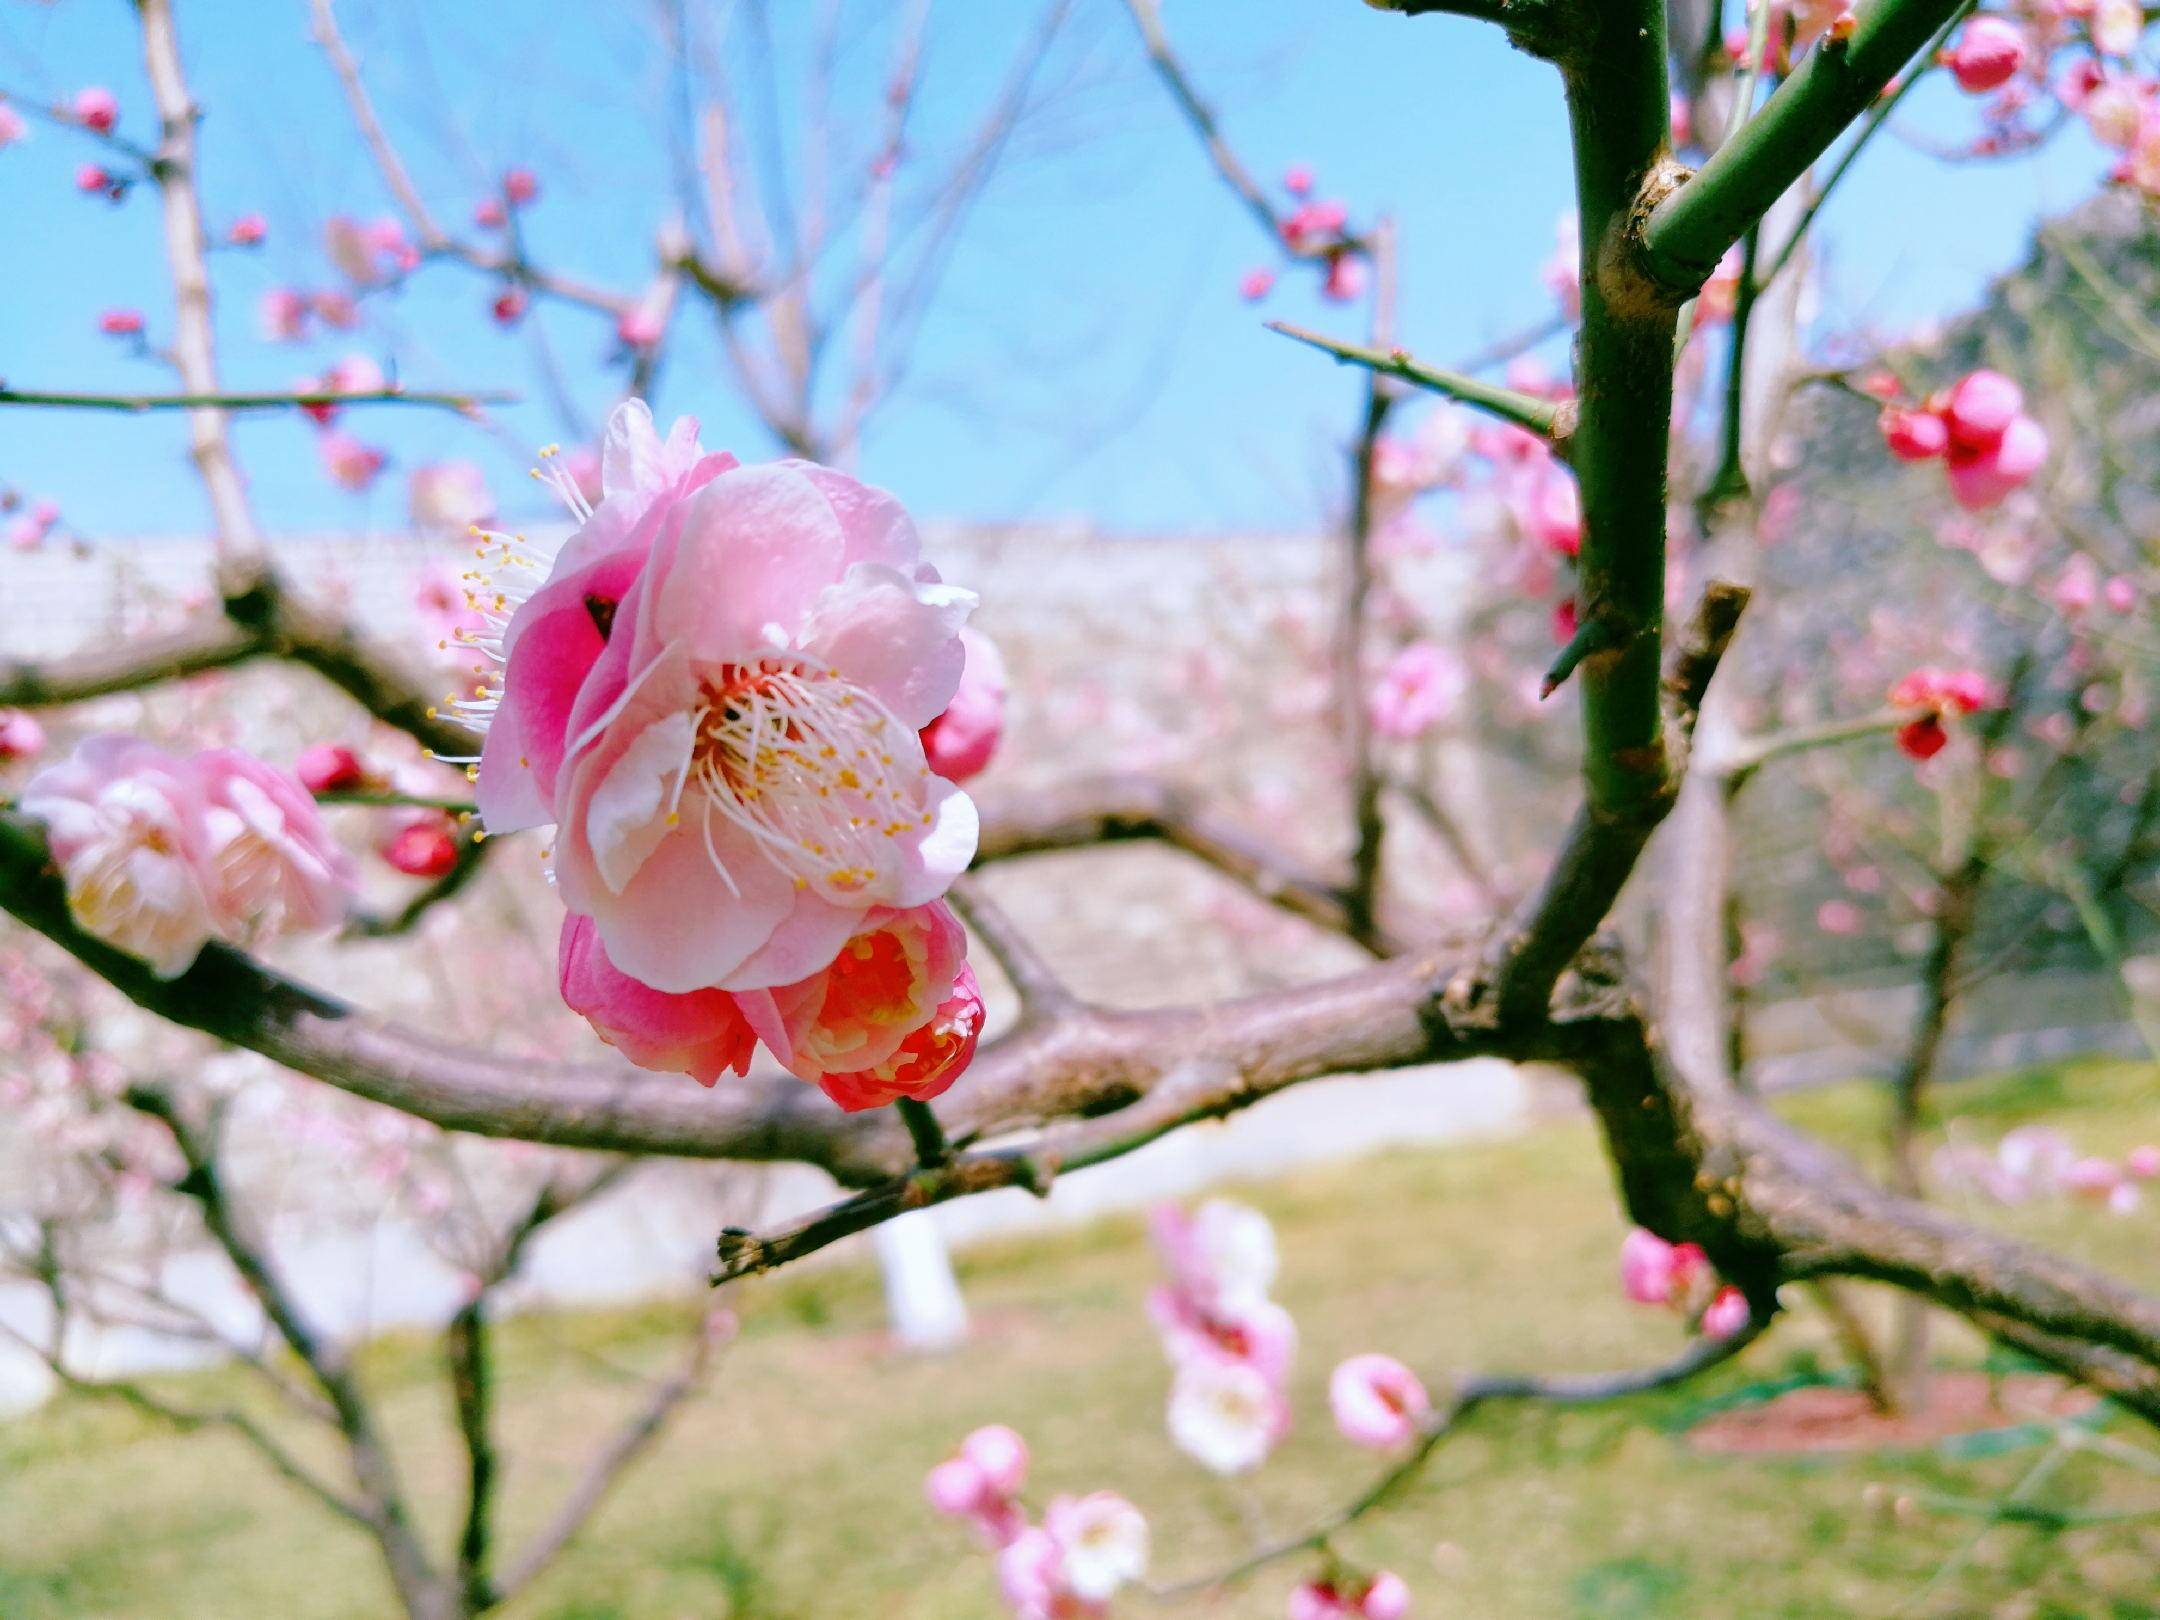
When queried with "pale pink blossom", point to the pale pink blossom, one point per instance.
{"points": [[702, 1034], [2092, 1179], [716, 694], [1378, 1402], [2143, 1161], [282, 315], [159, 854], [269, 865], [351, 463], [1913, 435], [449, 495], [1225, 1415], [1222, 1255], [1982, 478], [123, 821], [1031, 1578], [1346, 278], [2117, 26], [1102, 1542], [1386, 1597], [960, 742], [21, 736], [1420, 687], [441, 598], [12, 127], [1256, 283]]}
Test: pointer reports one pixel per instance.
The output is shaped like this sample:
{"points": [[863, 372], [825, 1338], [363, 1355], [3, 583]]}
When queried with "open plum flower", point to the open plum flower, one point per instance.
{"points": [[161, 854], [716, 695]]}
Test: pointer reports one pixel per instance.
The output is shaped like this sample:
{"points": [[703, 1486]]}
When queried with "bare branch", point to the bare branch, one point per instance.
{"points": [[1549, 421], [464, 403], [1040, 990], [613, 1461], [1124, 808]]}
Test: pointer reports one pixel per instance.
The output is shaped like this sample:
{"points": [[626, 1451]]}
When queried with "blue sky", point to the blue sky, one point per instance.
{"points": [[1088, 358]]}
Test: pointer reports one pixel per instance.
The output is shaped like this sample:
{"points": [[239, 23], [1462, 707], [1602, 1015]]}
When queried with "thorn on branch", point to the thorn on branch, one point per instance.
{"points": [[1600, 632]]}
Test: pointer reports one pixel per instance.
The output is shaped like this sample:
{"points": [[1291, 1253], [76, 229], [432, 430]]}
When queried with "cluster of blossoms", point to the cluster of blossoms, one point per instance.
{"points": [[32, 523], [1230, 1347], [1315, 228], [1678, 1277], [715, 692], [1937, 693], [161, 854], [2034, 1161], [2080, 56], [1068, 1567], [1979, 428]]}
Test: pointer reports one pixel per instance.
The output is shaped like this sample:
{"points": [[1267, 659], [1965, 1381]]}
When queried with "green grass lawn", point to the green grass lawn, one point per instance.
{"points": [[791, 1487]]}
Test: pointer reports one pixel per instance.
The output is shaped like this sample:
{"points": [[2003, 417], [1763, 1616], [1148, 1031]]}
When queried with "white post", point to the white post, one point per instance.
{"points": [[922, 1296]]}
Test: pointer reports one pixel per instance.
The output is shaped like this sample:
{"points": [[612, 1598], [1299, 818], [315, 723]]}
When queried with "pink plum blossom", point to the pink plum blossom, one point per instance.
{"points": [[1000, 1454], [2143, 1161], [960, 742], [1914, 435], [929, 1060], [1346, 278], [1225, 1415], [716, 694], [121, 323], [1382, 1596], [12, 127], [1420, 687], [159, 854], [1655, 1272], [1258, 1332], [885, 982], [702, 1034], [1378, 1402], [1298, 179], [1031, 1578], [520, 186], [1982, 478], [247, 231], [981, 1483], [1102, 1542], [1256, 283], [91, 178]]}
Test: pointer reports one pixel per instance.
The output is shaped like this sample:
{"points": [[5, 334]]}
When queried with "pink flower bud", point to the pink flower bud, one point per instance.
{"points": [[329, 768], [1979, 409], [1347, 274], [2143, 1161], [488, 214], [1386, 1597], [92, 178], [422, 849], [1298, 179], [956, 1487], [1982, 479], [1727, 1313], [97, 108], [508, 307], [1378, 1402], [20, 735], [1986, 54], [520, 186], [248, 231], [1256, 283], [1000, 1455], [121, 322], [1913, 435]]}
